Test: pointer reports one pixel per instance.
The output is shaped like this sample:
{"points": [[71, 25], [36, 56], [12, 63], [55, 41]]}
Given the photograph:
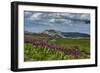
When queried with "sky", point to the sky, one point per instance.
{"points": [[39, 21]]}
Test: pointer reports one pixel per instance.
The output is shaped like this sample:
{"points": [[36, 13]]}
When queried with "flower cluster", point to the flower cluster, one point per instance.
{"points": [[71, 51]]}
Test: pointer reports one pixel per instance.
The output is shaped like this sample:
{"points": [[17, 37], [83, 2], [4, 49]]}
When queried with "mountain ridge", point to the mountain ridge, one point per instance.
{"points": [[59, 34]]}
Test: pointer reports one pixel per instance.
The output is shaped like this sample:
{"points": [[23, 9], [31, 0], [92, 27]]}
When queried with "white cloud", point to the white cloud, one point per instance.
{"points": [[76, 16], [52, 20], [35, 16], [27, 14], [86, 17]]}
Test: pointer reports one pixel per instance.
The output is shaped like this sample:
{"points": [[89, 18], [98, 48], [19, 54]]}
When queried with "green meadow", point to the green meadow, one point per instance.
{"points": [[38, 53]]}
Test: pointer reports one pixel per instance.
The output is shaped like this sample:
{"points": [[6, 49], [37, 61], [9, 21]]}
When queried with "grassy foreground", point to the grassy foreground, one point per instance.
{"points": [[72, 49]]}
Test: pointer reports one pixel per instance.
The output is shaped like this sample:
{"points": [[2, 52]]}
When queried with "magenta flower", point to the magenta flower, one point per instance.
{"points": [[73, 52]]}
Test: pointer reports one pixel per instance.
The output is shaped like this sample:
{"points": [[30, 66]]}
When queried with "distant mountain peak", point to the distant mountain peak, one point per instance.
{"points": [[54, 33]]}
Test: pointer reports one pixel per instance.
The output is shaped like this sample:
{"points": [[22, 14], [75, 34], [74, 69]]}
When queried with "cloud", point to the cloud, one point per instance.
{"points": [[85, 17], [52, 20], [35, 16], [57, 17], [27, 14], [56, 20]]}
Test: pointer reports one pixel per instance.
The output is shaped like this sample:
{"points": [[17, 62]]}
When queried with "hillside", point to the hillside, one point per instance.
{"points": [[52, 34]]}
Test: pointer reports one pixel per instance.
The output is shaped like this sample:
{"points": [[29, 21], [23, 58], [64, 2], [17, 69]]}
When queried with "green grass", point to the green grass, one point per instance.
{"points": [[36, 53], [84, 44]]}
